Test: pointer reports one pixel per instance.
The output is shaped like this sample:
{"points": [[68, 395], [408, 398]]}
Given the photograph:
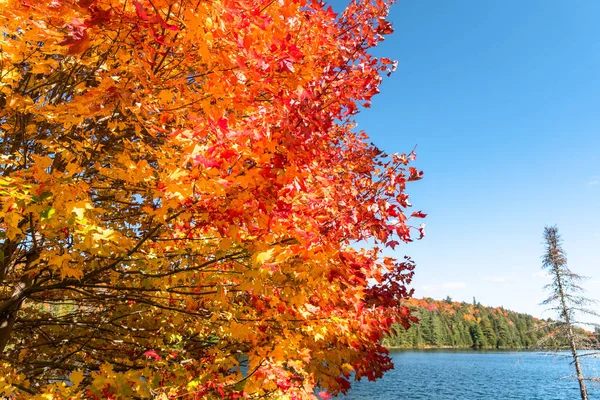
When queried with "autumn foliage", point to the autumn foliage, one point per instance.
{"points": [[181, 197]]}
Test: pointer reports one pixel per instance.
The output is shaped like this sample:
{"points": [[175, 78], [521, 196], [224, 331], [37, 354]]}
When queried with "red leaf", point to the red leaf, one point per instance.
{"points": [[324, 395], [285, 64], [78, 39], [414, 174], [141, 13], [152, 353], [207, 162], [402, 199], [384, 28], [418, 214], [99, 17], [392, 244], [422, 231], [157, 38], [302, 93], [228, 154], [223, 125], [247, 42], [164, 24]]}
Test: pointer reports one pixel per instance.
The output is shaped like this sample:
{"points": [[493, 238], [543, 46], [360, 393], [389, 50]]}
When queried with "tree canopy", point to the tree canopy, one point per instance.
{"points": [[182, 191], [446, 323]]}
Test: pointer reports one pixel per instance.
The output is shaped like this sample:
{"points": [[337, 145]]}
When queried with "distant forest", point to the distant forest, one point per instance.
{"points": [[445, 323]]}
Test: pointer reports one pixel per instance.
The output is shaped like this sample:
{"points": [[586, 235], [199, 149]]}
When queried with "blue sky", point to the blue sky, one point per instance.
{"points": [[503, 100]]}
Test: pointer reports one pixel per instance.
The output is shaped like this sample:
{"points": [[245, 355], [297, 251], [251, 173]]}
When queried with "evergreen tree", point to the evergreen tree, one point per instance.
{"points": [[504, 336], [443, 324], [479, 339], [488, 331], [565, 298]]}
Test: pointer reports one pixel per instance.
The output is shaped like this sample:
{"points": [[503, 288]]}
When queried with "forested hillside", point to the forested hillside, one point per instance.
{"points": [[445, 323]]}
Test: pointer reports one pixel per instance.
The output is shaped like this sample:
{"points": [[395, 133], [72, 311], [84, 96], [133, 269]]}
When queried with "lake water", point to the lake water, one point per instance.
{"points": [[477, 375]]}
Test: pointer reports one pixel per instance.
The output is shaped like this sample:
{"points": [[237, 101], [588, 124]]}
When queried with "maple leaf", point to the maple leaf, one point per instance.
{"points": [[85, 3], [286, 64], [392, 244], [165, 25], [78, 39], [152, 354], [141, 13], [324, 395], [223, 125], [99, 17], [415, 174], [261, 258], [76, 377], [422, 231], [207, 162]]}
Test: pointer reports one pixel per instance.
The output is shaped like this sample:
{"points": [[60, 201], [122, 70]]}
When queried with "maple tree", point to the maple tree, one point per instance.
{"points": [[181, 195]]}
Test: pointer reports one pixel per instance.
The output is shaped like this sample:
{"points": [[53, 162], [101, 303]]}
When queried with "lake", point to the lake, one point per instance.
{"points": [[479, 375]]}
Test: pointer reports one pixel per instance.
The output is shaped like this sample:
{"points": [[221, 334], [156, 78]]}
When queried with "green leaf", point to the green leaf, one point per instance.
{"points": [[47, 214], [41, 197]]}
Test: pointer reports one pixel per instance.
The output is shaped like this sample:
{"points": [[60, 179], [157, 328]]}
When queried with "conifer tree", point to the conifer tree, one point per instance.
{"points": [[566, 297]]}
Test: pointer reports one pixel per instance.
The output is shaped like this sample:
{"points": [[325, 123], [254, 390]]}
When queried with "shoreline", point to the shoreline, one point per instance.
{"points": [[539, 349]]}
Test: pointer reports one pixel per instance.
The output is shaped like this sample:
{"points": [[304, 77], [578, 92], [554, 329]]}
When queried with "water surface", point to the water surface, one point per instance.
{"points": [[479, 375]]}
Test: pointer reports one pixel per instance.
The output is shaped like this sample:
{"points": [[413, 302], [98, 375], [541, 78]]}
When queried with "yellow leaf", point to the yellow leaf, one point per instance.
{"points": [[76, 377], [67, 271], [263, 257], [225, 244], [42, 162], [79, 209], [104, 234]]}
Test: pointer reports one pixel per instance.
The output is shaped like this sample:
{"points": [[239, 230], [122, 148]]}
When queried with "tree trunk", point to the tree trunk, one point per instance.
{"points": [[9, 310], [10, 307], [580, 378], [571, 334]]}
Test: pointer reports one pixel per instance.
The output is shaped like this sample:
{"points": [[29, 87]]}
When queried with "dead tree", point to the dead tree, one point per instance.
{"points": [[567, 299]]}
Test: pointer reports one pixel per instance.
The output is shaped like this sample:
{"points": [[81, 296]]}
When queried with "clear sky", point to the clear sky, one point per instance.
{"points": [[503, 100]]}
